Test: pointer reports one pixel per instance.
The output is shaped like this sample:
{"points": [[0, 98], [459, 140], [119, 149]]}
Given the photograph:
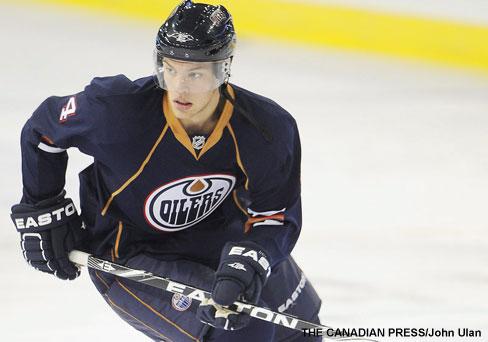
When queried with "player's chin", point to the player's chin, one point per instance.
{"points": [[184, 114]]}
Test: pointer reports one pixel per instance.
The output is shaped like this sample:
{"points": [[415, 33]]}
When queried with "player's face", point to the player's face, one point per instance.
{"points": [[190, 87]]}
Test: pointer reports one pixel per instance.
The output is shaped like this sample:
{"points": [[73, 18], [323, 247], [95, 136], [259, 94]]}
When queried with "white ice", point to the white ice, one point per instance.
{"points": [[395, 175]]}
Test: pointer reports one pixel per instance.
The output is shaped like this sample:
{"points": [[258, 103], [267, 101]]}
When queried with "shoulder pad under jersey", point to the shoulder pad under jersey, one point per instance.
{"points": [[117, 85], [267, 114]]}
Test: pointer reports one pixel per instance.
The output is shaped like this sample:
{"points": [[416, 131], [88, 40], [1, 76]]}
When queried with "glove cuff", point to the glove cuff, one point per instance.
{"points": [[250, 253], [32, 219]]}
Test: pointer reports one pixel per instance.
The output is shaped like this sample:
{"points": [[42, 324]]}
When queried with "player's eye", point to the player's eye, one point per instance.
{"points": [[169, 70], [194, 75]]}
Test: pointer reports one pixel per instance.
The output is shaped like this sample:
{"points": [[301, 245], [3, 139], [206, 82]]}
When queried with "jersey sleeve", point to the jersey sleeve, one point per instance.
{"points": [[274, 209], [79, 121], [56, 125]]}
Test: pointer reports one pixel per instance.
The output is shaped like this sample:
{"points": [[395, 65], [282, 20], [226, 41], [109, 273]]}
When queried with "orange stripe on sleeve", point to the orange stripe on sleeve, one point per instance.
{"points": [[45, 138], [252, 220]]}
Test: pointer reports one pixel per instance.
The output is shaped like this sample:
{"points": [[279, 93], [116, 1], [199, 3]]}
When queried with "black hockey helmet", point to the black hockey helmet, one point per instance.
{"points": [[197, 32]]}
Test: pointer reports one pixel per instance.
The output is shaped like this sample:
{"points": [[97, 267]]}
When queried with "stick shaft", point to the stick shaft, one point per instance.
{"points": [[141, 276]]}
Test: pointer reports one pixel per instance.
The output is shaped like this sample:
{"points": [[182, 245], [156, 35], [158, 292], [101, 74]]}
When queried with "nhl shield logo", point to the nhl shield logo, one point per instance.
{"points": [[180, 302], [198, 141], [185, 202]]}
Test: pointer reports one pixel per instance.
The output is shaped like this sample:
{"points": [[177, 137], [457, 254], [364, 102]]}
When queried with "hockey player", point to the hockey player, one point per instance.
{"points": [[193, 178]]}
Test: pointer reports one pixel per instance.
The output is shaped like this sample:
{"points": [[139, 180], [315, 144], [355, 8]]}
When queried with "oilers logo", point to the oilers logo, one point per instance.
{"points": [[180, 302], [185, 202]]}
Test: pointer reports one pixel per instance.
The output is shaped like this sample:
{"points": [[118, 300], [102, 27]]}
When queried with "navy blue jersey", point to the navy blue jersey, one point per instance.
{"points": [[149, 189]]}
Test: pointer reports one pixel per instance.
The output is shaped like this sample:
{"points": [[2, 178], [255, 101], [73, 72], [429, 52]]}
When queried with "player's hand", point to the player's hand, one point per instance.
{"points": [[241, 275], [49, 230], [220, 317]]}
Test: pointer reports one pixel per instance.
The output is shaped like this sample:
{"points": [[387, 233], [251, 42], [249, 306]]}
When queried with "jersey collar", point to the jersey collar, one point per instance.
{"points": [[182, 136]]}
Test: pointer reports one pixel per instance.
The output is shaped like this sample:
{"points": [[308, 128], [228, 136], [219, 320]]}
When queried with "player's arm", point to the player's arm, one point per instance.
{"points": [[275, 212], [48, 223], [272, 230]]}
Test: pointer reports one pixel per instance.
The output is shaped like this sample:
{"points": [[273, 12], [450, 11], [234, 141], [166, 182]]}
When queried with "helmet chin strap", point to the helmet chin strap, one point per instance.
{"points": [[226, 69]]}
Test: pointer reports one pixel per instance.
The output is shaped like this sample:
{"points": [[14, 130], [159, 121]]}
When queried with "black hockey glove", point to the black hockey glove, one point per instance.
{"points": [[242, 273], [49, 230]]}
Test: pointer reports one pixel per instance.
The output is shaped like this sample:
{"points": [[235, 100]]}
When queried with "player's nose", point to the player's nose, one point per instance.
{"points": [[181, 85]]}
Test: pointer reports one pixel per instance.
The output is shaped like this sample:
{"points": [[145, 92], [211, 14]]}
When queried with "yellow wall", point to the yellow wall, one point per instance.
{"points": [[449, 43]]}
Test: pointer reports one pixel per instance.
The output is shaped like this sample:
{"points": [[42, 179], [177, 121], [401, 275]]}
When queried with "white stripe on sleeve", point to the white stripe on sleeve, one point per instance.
{"points": [[50, 149], [264, 213], [268, 223]]}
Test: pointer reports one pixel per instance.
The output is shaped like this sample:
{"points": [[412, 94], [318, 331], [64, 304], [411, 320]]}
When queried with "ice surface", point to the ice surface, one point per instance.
{"points": [[395, 175]]}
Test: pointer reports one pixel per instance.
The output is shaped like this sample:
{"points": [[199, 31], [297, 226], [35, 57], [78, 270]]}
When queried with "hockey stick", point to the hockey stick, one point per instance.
{"points": [[84, 259]]}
